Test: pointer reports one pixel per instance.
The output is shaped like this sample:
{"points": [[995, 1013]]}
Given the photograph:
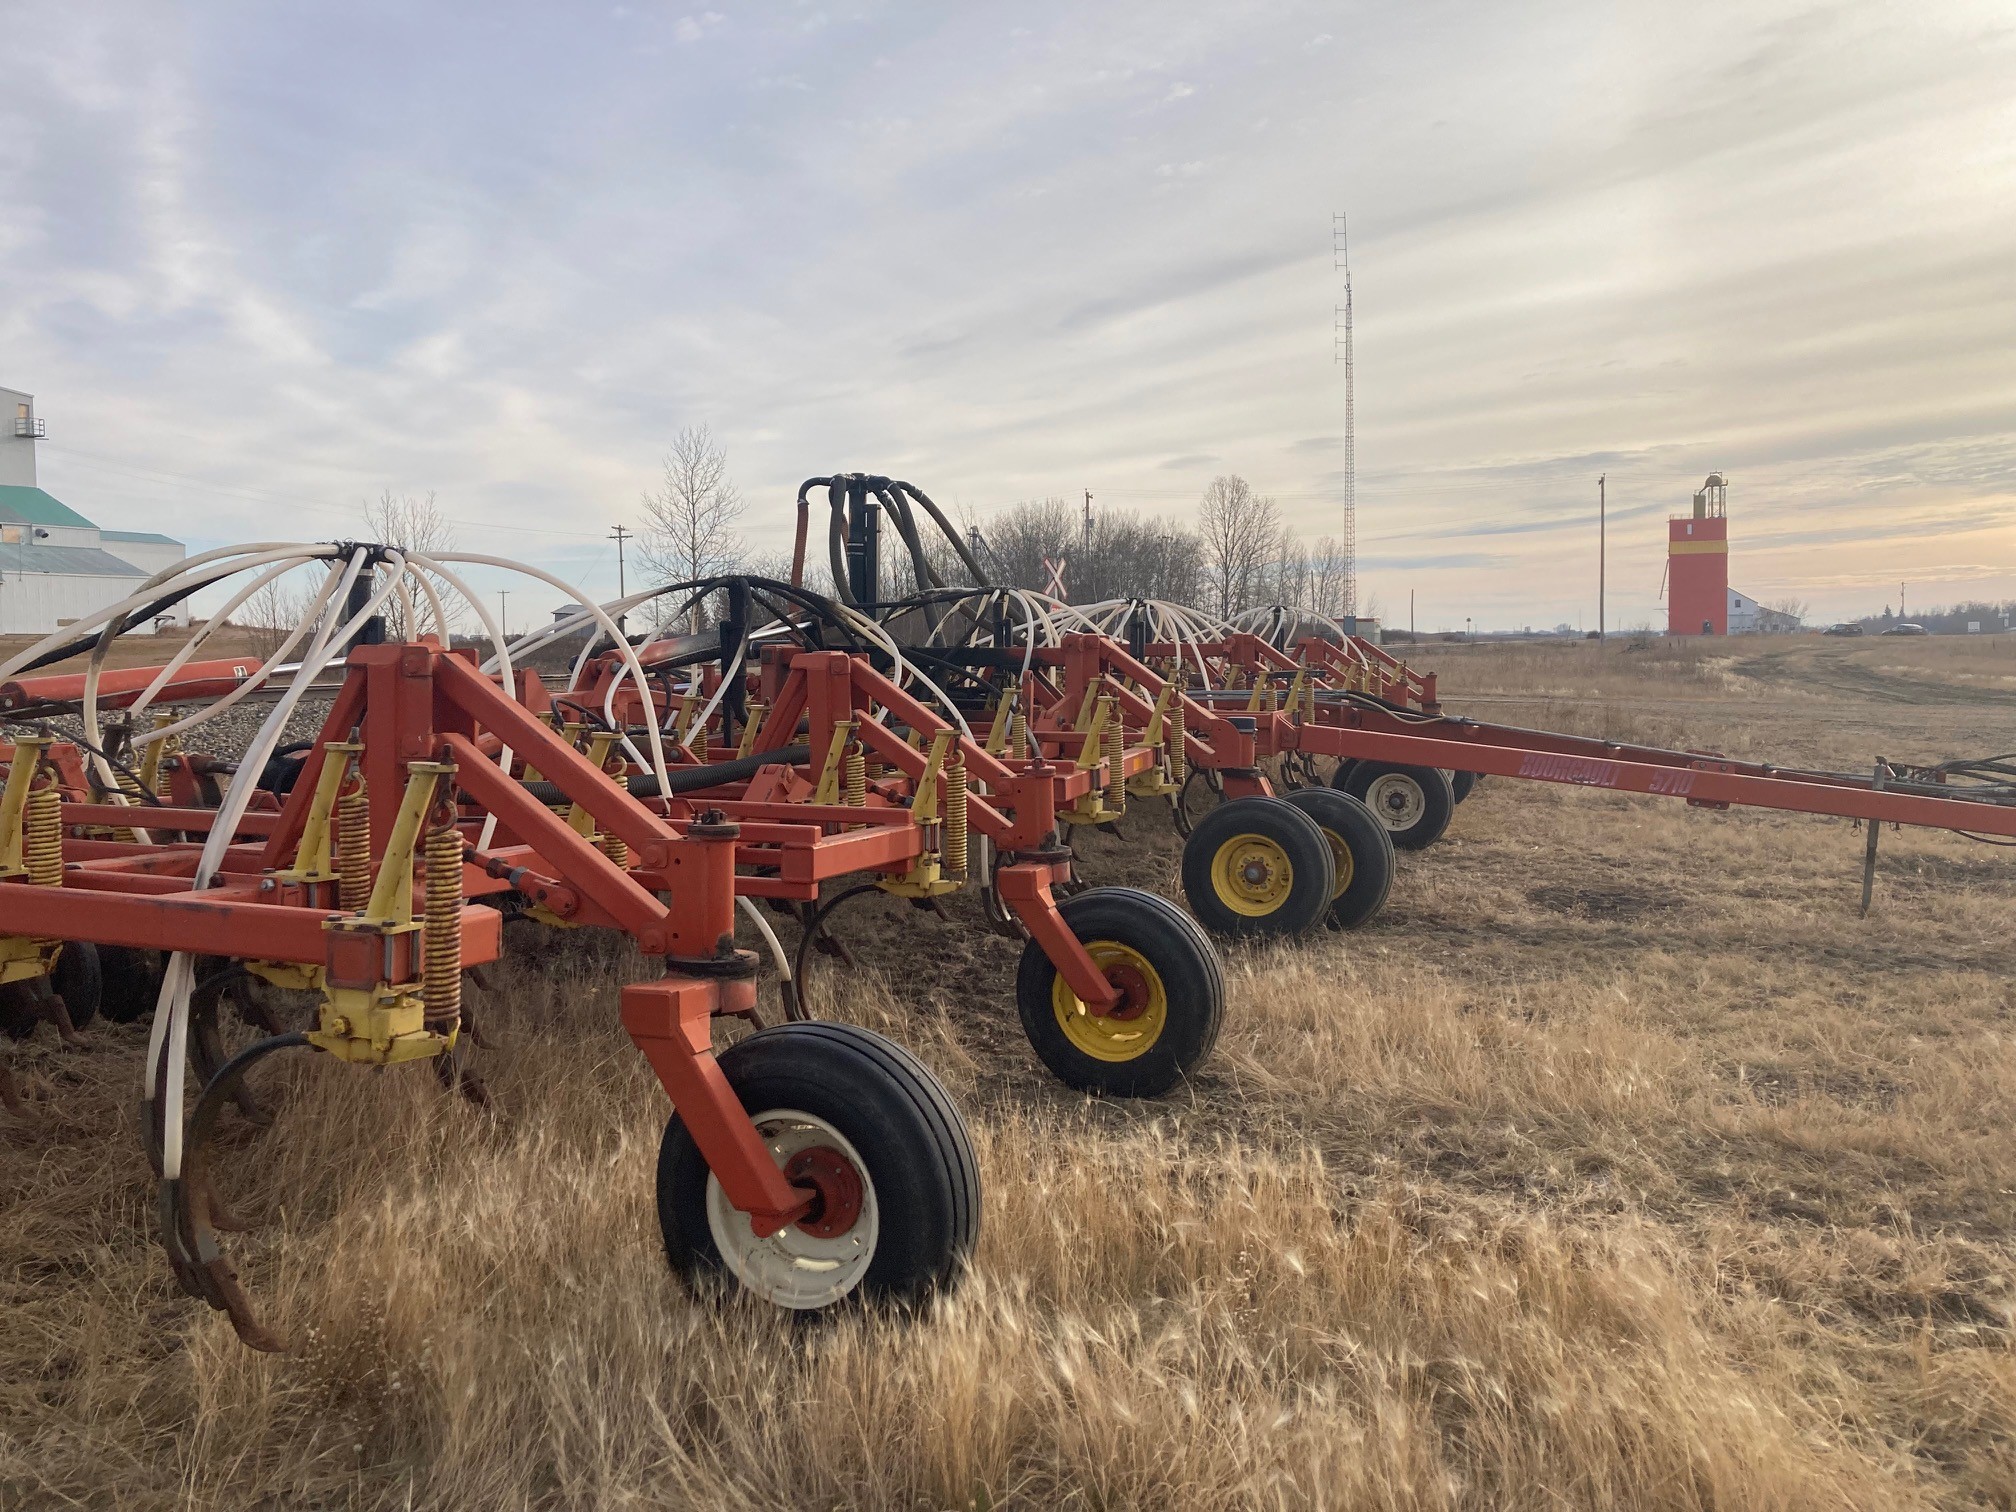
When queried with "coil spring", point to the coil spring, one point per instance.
{"points": [[954, 844], [854, 777], [441, 931], [615, 848], [130, 786], [353, 850], [1018, 735], [42, 840], [1172, 737], [1116, 752]]}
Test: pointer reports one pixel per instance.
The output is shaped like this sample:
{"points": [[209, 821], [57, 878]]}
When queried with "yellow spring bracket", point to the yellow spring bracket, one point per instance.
{"points": [[317, 857], [1165, 733], [31, 846], [1104, 740], [827, 791], [384, 1022], [927, 877], [1003, 725]]}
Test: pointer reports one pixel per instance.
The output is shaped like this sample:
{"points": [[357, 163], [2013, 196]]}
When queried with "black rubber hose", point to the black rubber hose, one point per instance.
{"points": [[836, 538], [952, 535], [686, 779]]}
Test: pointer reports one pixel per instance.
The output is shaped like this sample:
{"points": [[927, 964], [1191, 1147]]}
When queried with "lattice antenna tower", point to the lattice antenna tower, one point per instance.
{"points": [[1340, 344]]}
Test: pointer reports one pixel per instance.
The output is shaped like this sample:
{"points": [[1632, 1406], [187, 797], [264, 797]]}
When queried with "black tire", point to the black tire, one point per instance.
{"points": [[1346, 765], [920, 1168], [1460, 783], [79, 981], [1125, 928], [1414, 803], [1282, 886], [1361, 849], [132, 981]]}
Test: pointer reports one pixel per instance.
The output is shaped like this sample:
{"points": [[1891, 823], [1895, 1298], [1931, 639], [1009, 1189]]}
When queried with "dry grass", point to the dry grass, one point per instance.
{"points": [[1620, 1165]]}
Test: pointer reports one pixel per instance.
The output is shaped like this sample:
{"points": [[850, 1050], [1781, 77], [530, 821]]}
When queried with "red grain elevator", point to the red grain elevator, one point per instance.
{"points": [[1697, 564]]}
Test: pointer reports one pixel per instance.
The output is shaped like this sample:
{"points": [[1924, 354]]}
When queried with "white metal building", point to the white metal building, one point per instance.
{"points": [[55, 565], [1748, 617]]}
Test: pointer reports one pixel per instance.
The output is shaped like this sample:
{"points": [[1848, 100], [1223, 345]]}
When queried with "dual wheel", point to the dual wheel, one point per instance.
{"points": [[1268, 867]]}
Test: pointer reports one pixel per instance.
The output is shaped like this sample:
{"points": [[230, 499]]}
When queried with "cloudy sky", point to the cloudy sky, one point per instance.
{"points": [[259, 262]]}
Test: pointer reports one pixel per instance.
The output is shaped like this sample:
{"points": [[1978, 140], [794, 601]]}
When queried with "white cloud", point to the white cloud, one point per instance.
{"points": [[693, 28], [1585, 240]]}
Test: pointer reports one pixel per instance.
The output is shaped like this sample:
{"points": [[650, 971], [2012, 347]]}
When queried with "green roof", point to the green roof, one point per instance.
{"points": [[151, 536], [31, 506]]}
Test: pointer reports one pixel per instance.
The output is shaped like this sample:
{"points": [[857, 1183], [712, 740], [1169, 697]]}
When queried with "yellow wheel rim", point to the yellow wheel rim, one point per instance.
{"points": [[1252, 875], [1132, 1028], [1346, 867]]}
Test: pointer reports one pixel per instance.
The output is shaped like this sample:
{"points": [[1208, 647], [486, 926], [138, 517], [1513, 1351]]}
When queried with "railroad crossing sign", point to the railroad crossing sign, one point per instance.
{"points": [[1056, 571]]}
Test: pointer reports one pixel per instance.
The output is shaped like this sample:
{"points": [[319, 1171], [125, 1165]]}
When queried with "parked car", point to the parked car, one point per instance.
{"points": [[1846, 627], [1907, 629]]}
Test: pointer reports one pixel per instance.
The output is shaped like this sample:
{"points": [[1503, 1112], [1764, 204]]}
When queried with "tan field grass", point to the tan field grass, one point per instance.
{"points": [[1619, 1165]]}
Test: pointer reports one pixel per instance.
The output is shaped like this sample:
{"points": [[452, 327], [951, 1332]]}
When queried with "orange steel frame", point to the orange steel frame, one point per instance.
{"points": [[1365, 728], [418, 702], [805, 694]]}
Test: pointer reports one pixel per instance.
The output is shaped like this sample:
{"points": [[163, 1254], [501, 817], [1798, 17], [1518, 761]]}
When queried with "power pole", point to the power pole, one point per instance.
{"points": [[1088, 519], [503, 616], [1602, 547], [619, 535], [1340, 351], [1410, 614]]}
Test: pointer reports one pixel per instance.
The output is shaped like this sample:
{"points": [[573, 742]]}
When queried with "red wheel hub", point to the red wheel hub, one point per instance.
{"points": [[1133, 991], [836, 1205]]}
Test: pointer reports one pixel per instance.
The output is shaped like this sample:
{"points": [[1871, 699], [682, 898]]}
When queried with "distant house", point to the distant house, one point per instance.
{"points": [[1748, 617], [55, 565]]}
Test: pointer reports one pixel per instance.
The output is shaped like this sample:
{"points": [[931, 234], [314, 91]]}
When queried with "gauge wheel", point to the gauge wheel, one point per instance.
{"points": [[863, 1124], [1361, 849], [1414, 803], [1172, 996], [1258, 868]]}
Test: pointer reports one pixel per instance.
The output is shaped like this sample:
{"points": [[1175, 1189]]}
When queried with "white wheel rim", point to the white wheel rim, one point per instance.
{"points": [[793, 1268], [1397, 799]]}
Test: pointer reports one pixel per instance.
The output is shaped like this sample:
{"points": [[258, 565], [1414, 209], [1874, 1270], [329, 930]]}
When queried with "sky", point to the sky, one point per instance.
{"points": [[259, 263]]}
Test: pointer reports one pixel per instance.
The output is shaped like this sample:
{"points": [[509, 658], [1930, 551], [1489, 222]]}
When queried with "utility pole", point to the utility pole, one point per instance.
{"points": [[1410, 614], [1088, 520], [1602, 547], [503, 616], [1340, 351], [619, 535]]}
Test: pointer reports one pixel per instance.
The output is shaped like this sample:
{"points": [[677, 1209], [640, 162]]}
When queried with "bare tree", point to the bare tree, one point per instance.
{"points": [[1241, 535], [412, 525], [689, 529], [269, 616], [1124, 556], [1796, 607]]}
